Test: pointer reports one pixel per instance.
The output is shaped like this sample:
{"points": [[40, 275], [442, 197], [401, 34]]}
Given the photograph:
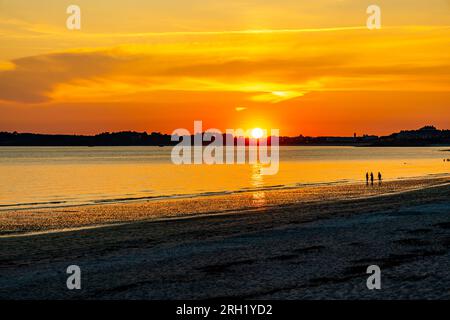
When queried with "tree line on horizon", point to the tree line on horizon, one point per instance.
{"points": [[427, 135]]}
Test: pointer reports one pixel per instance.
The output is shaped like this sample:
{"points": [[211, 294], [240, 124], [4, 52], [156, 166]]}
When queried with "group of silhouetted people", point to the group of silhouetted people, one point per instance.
{"points": [[371, 177]]}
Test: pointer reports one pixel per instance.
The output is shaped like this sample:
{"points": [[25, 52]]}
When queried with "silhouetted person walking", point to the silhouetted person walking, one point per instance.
{"points": [[371, 177], [367, 178], [379, 177]]}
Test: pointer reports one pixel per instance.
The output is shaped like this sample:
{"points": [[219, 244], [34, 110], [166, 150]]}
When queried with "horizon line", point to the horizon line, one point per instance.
{"points": [[223, 133]]}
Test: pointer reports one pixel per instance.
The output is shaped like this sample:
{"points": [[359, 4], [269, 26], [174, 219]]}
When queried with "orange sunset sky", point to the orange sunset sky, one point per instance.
{"points": [[305, 67]]}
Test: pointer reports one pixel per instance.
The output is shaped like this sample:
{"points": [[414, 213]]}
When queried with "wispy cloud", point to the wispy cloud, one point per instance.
{"points": [[267, 67]]}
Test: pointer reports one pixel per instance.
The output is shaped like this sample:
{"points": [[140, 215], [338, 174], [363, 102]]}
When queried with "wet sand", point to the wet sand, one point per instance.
{"points": [[79, 217], [307, 243]]}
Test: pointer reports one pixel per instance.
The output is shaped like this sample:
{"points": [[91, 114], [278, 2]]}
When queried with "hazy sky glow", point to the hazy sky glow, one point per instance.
{"points": [[306, 67]]}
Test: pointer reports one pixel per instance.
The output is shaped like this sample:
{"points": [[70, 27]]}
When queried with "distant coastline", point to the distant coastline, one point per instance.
{"points": [[426, 136]]}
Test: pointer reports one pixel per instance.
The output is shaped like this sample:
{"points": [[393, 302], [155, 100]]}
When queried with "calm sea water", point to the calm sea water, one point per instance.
{"points": [[33, 177]]}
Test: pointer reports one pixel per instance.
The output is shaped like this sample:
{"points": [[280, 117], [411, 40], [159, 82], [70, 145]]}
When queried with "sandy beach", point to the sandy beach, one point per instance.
{"points": [[307, 243]]}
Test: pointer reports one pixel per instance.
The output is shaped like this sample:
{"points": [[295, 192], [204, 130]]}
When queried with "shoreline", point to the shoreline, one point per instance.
{"points": [[305, 250], [26, 222], [21, 206]]}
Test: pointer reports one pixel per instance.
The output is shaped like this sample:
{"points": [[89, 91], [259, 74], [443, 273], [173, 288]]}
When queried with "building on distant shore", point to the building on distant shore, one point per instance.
{"points": [[428, 135]]}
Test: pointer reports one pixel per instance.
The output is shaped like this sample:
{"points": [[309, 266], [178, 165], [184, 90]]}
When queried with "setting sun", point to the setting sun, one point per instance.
{"points": [[257, 133]]}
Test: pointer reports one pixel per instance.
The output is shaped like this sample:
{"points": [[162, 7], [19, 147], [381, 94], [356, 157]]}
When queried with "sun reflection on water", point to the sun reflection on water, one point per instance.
{"points": [[257, 181]]}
